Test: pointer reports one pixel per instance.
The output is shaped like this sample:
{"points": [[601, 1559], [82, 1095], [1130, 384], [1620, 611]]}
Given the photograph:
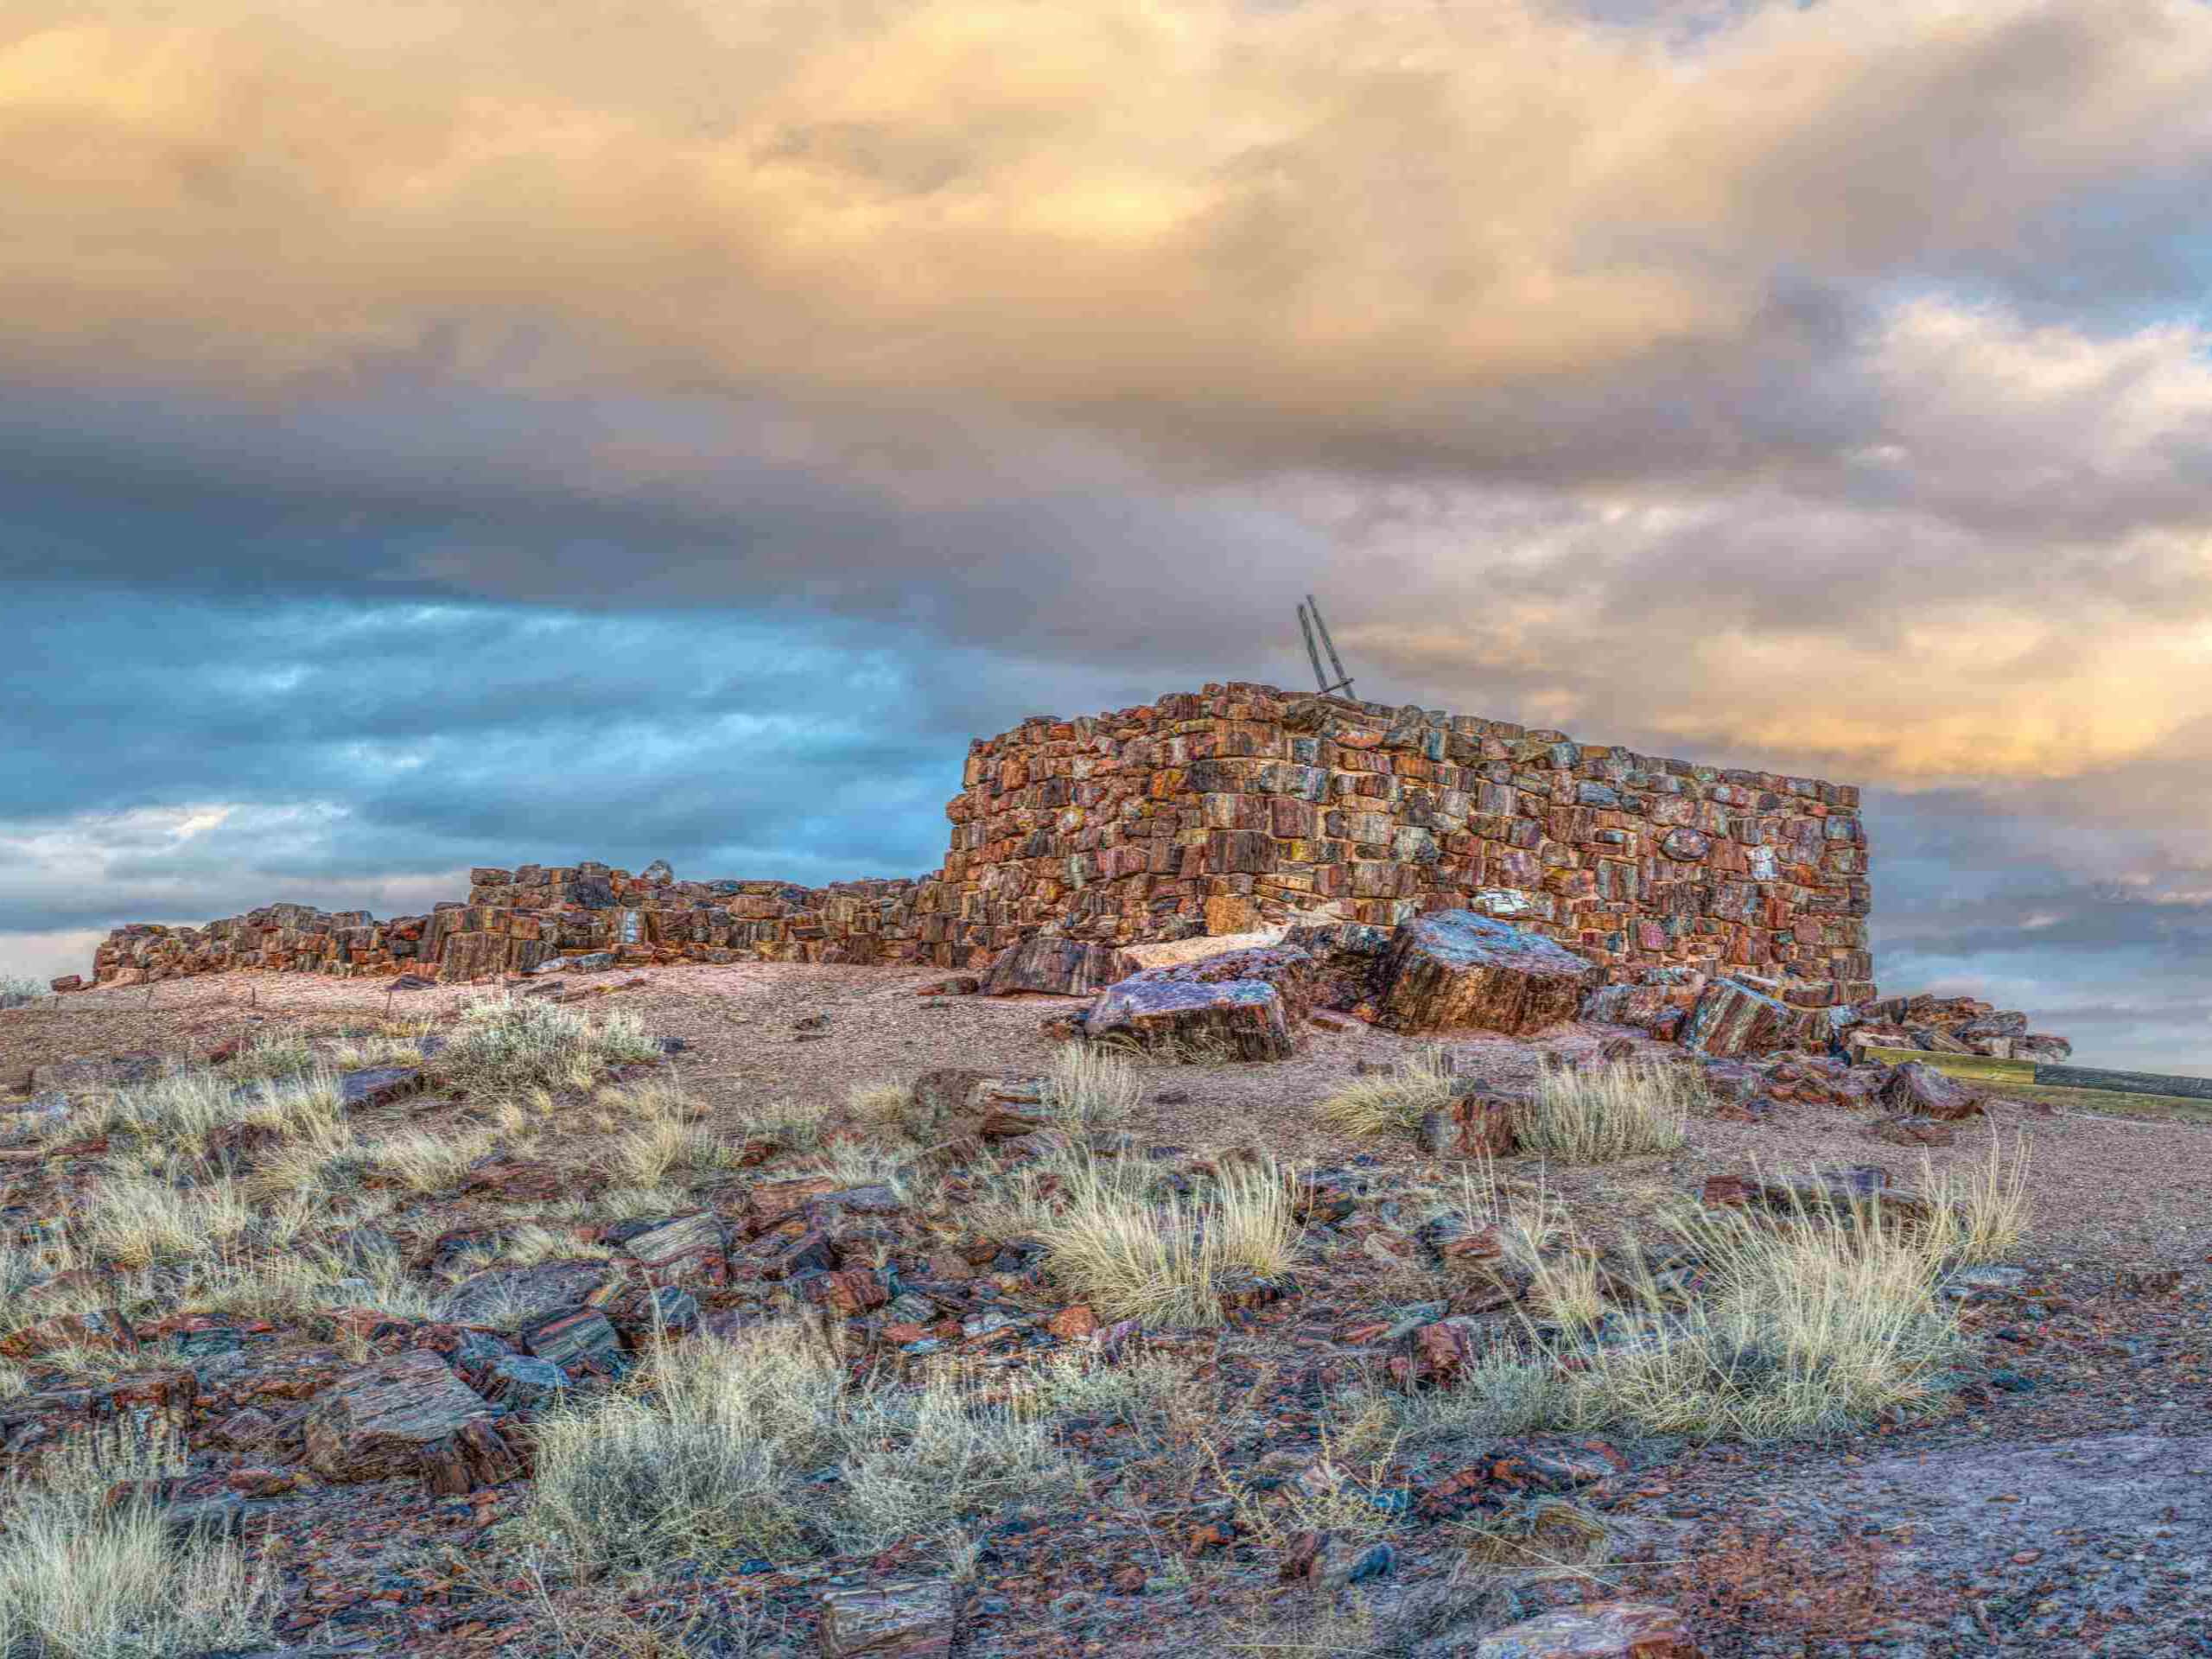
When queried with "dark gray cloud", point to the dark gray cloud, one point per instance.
{"points": [[677, 439]]}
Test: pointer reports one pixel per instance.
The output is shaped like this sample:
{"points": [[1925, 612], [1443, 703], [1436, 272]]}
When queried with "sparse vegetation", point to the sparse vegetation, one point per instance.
{"points": [[1629, 1109], [84, 1576], [1392, 1101], [503, 1045], [709, 1452], [1166, 1259], [1090, 1088], [17, 992]]}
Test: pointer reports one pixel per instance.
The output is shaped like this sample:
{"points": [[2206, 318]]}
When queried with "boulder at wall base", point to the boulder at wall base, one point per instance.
{"points": [[1453, 969], [1062, 967], [1597, 1630], [1731, 1018], [1244, 1016]]}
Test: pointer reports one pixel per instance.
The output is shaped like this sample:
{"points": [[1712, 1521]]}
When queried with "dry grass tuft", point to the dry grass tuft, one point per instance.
{"points": [[82, 1578], [1092, 1087], [503, 1045], [424, 1163], [884, 1108], [1981, 1216], [135, 1221], [1632, 1108], [708, 1453], [1165, 1260], [1398, 1100], [272, 1054], [1807, 1327]]}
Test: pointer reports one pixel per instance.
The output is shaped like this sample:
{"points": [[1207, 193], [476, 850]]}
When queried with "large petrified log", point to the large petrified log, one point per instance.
{"points": [[1454, 969]]}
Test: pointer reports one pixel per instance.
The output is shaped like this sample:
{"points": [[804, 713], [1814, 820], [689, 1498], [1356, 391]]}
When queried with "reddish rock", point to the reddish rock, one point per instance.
{"points": [[1074, 1322], [409, 1415], [688, 1251], [1306, 1556], [1061, 967], [910, 1619], [100, 1328], [781, 1255], [848, 1291], [507, 1297], [1158, 1008], [1453, 969], [524, 1181], [1600, 1629], [959, 985], [581, 1341], [1732, 1018], [66, 982], [1916, 1090], [1436, 1354]]}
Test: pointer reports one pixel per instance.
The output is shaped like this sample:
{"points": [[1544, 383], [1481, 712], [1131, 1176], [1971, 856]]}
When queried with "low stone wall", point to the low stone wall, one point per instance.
{"points": [[1243, 805], [1213, 812]]}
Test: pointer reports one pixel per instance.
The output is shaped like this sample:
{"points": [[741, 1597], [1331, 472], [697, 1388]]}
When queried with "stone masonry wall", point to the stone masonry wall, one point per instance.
{"points": [[1213, 812]]}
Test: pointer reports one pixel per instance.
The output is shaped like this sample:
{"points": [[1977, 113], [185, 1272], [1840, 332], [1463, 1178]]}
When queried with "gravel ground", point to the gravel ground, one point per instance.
{"points": [[2062, 1509]]}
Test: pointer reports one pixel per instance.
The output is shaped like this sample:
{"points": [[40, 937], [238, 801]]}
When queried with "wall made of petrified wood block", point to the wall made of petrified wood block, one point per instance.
{"points": [[1215, 812], [1243, 805]]}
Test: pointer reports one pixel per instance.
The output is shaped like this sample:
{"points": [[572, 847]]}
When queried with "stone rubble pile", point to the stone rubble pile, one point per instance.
{"points": [[1957, 1024]]}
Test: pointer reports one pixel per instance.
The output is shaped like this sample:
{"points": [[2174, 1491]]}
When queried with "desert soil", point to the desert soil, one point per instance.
{"points": [[2059, 1507]]}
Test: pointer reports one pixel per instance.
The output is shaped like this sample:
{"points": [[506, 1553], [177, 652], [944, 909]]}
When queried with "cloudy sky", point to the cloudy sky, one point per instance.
{"points": [[436, 432]]}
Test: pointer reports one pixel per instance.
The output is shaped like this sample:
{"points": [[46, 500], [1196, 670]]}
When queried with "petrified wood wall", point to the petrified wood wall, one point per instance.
{"points": [[1215, 812]]}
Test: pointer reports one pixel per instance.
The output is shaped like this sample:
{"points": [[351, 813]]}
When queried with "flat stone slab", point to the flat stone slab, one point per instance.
{"points": [[1157, 1007], [2124, 1083]]}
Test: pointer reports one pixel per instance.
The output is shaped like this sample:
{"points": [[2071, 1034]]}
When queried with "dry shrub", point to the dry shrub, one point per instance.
{"points": [[1980, 1216], [17, 992], [1163, 1261], [1630, 1108], [1092, 1087], [504, 1045], [709, 1452], [1396, 1100], [81, 1578]]}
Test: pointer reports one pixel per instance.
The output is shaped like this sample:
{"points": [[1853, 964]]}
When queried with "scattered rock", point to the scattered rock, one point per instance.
{"points": [[1732, 1018], [1161, 1007], [507, 1297], [1598, 1630], [1058, 966], [409, 1415], [581, 1341], [910, 1619], [1917, 1089]]}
